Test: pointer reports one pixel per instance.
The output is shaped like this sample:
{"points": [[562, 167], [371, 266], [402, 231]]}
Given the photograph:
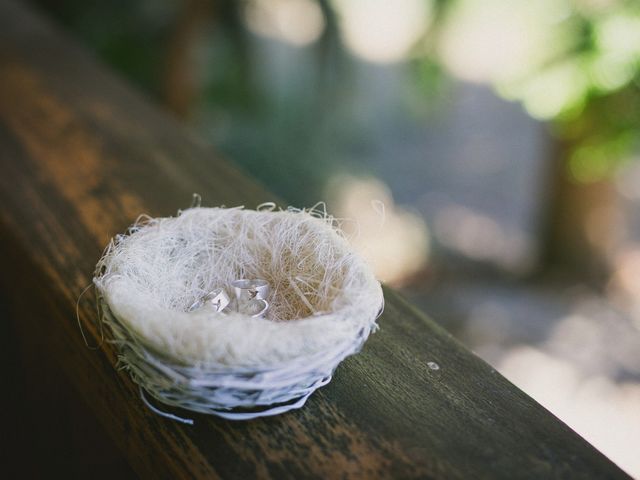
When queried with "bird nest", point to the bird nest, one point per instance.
{"points": [[323, 305]]}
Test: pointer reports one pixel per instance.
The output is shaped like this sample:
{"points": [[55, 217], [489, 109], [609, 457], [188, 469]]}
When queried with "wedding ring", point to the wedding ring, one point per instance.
{"points": [[252, 290], [216, 299]]}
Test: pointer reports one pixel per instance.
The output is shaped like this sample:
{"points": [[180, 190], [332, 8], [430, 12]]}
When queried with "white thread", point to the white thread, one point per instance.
{"points": [[157, 411], [99, 317], [265, 206], [270, 411], [302, 296], [196, 201]]}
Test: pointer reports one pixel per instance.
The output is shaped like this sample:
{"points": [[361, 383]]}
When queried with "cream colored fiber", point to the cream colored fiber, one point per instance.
{"points": [[323, 296]]}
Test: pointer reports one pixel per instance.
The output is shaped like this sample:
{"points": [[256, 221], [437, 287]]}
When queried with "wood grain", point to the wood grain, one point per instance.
{"points": [[82, 155]]}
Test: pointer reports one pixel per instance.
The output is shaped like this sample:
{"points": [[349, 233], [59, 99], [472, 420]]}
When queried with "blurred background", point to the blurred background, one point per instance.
{"points": [[488, 150]]}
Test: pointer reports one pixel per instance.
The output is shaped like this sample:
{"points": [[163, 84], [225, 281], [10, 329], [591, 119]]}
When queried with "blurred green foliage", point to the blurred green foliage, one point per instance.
{"points": [[585, 79], [573, 63]]}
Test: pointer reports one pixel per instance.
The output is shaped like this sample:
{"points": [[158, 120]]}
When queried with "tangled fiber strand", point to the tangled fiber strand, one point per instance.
{"points": [[323, 306]]}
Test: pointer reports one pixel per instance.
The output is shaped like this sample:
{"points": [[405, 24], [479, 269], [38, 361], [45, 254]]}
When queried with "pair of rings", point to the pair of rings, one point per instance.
{"points": [[248, 293]]}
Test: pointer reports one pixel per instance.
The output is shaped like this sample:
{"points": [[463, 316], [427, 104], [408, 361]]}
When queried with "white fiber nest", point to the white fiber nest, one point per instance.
{"points": [[324, 301]]}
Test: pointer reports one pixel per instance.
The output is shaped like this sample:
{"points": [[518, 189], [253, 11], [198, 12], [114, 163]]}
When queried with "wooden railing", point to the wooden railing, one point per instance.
{"points": [[82, 155]]}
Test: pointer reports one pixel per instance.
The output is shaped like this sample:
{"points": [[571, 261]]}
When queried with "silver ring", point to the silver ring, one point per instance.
{"points": [[249, 290], [264, 309], [217, 299]]}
